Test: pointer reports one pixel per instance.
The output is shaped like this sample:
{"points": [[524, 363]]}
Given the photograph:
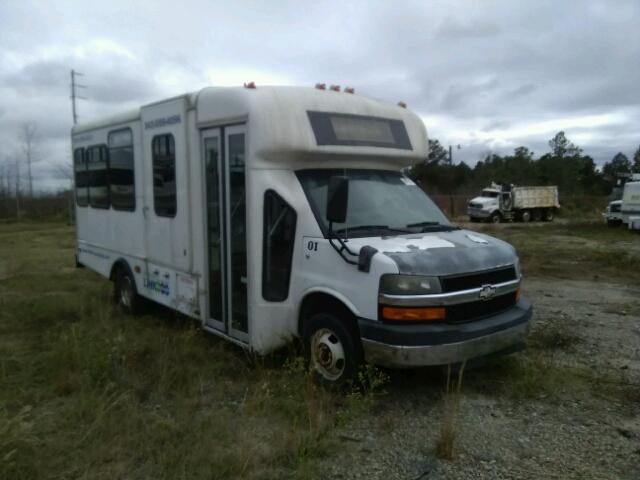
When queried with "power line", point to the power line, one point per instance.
{"points": [[74, 95]]}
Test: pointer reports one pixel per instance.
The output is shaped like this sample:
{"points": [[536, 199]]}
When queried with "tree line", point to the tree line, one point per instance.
{"points": [[565, 165]]}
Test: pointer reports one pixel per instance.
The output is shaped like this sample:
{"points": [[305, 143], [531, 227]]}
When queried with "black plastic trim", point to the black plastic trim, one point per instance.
{"points": [[444, 333]]}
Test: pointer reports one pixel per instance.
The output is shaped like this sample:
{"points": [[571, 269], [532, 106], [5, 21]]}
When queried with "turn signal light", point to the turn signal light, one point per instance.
{"points": [[414, 314], [518, 295]]}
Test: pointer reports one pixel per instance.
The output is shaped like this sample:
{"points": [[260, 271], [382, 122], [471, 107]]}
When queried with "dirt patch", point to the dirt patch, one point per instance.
{"points": [[585, 427]]}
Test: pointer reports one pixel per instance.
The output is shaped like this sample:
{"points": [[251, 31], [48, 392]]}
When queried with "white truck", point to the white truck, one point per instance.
{"points": [[270, 213], [626, 211], [513, 203]]}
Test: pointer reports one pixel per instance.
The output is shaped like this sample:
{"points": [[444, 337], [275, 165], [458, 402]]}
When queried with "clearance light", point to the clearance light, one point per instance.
{"points": [[518, 295], [335, 88], [321, 86], [250, 85], [349, 90], [414, 314], [402, 104]]}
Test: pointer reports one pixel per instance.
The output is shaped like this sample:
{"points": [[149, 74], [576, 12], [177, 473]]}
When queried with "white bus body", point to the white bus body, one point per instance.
{"points": [[630, 208], [208, 203]]}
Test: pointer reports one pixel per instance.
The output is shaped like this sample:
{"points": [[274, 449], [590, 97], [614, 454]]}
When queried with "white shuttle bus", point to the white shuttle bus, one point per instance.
{"points": [[275, 213]]}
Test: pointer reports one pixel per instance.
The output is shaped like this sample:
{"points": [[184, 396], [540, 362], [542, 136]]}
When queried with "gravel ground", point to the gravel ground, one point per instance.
{"points": [[588, 435]]}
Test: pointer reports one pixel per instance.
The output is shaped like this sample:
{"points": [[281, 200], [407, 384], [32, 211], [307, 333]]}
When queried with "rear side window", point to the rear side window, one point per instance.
{"points": [[279, 238], [81, 177], [121, 171], [98, 167], [163, 149]]}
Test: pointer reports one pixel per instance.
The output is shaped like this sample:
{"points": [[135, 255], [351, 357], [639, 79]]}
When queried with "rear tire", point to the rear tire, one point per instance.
{"points": [[525, 216], [125, 292], [548, 215], [333, 349]]}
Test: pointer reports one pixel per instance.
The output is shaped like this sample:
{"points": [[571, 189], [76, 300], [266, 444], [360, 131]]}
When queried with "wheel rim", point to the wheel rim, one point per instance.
{"points": [[526, 216], [327, 354], [126, 291], [495, 219]]}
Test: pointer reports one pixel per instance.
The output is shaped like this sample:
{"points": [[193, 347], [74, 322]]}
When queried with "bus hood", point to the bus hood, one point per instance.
{"points": [[441, 253]]}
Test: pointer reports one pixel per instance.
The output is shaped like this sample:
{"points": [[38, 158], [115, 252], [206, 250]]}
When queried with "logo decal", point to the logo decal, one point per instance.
{"points": [[157, 286], [487, 292]]}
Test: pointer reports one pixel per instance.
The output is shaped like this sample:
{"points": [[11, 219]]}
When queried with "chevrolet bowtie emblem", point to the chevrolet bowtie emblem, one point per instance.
{"points": [[487, 292]]}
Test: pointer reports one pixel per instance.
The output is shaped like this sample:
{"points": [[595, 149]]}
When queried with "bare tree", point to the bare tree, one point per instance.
{"points": [[29, 138]]}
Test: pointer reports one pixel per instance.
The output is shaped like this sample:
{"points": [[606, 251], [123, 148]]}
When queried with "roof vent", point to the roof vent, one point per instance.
{"points": [[349, 90], [402, 104], [335, 88], [321, 86], [250, 85]]}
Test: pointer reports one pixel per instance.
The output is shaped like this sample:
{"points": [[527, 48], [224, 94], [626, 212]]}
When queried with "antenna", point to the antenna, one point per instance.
{"points": [[74, 95]]}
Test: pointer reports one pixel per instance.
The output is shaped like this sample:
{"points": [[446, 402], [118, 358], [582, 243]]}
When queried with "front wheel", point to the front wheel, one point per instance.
{"points": [[333, 349], [495, 217]]}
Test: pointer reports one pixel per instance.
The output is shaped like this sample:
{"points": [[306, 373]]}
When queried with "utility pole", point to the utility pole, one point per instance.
{"points": [[74, 95]]}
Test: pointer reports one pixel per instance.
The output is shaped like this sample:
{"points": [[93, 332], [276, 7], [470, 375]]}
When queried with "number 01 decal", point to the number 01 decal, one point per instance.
{"points": [[312, 246]]}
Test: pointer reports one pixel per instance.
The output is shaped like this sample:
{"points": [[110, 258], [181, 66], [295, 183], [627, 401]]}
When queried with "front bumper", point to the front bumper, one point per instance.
{"points": [[478, 213], [441, 343]]}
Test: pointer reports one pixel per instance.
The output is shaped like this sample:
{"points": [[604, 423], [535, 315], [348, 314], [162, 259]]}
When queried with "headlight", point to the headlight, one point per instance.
{"points": [[394, 284], [516, 264]]}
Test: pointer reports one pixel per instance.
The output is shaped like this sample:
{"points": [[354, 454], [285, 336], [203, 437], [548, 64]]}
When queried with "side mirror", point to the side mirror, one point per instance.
{"points": [[337, 199]]}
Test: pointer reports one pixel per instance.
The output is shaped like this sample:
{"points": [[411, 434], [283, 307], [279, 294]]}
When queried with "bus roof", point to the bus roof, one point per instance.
{"points": [[280, 123]]}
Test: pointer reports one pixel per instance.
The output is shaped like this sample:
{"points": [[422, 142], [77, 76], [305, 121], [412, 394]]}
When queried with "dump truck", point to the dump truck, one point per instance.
{"points": [[499, 203]]}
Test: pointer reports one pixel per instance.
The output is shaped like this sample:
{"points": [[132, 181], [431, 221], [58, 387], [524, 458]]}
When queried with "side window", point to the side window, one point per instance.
{"points": [[98, 167], [81, 176], [278, 240], [121, 171], [163, 150]]}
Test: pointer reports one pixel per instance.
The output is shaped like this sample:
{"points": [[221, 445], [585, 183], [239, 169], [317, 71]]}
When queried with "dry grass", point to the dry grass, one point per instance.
{"points": [[451, 406], [86, 392]]}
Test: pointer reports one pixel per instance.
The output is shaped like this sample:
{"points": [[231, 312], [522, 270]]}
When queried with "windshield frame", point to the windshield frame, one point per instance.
{"points": [[446, 225]]}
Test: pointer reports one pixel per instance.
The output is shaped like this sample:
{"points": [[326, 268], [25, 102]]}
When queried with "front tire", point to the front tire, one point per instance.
{"points": [[333, 349], [125, 292], [495, 217]]}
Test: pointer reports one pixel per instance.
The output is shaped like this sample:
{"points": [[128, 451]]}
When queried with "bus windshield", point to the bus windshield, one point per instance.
{"points": [[380, 202]]}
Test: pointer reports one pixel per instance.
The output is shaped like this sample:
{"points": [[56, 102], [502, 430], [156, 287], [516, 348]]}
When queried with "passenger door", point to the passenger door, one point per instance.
{"points": [[226, 226]]}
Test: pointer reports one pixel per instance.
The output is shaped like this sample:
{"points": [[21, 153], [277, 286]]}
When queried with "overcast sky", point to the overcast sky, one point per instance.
{"points": [[488, 75]]}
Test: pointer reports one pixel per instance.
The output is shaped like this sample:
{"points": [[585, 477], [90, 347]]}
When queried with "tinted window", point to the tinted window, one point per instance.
{"points": [[81, 177], [278, 241], [98, 166], [164, 175], [358, 130], [121, 170]]}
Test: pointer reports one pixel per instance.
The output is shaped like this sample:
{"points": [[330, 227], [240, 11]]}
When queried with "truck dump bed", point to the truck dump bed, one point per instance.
{"points": [[535, 197]]}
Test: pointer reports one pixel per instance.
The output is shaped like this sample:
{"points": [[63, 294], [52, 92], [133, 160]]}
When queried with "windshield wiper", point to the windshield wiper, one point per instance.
{"points": [[429, 226], [369, 228]]}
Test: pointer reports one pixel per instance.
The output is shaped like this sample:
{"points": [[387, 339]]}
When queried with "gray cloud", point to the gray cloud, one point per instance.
{"points": [[487, 75]]}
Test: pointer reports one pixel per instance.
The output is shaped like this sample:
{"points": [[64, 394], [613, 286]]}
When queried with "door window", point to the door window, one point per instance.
{"points": [[237, 231], [278, 240], [164, 175]]}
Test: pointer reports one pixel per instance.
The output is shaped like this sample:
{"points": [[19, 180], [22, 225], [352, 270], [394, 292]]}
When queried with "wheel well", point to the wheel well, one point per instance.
{"points": [[317, 302], [117, 265]]}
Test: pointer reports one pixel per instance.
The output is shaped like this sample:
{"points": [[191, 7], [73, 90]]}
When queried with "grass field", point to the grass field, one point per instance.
{"points": [[86, 392]]}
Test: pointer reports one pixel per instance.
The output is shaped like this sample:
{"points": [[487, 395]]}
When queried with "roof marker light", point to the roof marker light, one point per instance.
{"points": [[402, 104], [335, 88], [321, 86], [349, 90], [250, 85]]}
